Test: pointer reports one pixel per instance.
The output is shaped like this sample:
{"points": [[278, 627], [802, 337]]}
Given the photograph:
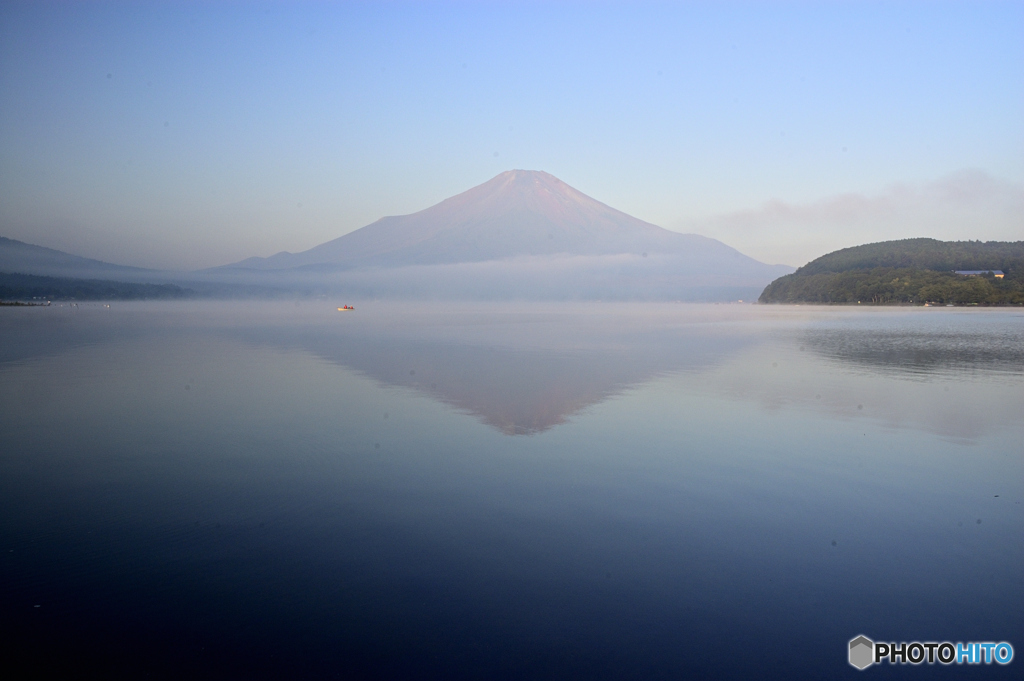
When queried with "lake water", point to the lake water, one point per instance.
{"points": [[282, 490]]}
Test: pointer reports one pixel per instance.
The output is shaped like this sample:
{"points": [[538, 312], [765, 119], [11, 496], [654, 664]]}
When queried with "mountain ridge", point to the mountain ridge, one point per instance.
{"points": [[516, 213], [520, 235], [908, 272], [19, 257]]}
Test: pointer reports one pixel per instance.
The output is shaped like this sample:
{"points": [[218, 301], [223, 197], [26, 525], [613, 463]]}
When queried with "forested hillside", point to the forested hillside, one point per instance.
{"points": [[29, 286], [910, 271]]}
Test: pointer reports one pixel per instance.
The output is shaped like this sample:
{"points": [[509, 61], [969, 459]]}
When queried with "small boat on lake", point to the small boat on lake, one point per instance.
{"points": [[345, 308]]}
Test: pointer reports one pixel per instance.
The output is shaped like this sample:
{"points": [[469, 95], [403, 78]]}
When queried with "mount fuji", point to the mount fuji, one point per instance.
{"points": [[523, 234], [519, 213]]}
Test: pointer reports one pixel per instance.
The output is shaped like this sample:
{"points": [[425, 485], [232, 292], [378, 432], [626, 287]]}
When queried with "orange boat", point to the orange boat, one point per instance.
{"points": [[347, 307]]}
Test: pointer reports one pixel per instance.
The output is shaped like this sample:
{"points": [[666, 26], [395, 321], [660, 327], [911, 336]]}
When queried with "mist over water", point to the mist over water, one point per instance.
{"points": [[418, 490]]}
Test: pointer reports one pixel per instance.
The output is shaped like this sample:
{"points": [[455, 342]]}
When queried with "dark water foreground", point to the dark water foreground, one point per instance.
{"points": [[241, 490]]}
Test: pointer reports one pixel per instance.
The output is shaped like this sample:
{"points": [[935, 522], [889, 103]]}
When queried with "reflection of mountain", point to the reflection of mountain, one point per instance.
{"points": [[517, 384], [518, 369], [516, 391], [923, 351]]}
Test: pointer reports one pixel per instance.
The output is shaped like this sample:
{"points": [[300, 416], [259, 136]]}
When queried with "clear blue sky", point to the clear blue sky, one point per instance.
{"points": [[192, 134]]}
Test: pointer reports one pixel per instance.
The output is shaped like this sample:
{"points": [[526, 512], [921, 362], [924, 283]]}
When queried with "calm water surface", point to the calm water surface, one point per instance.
{"points": [[242, 490]]}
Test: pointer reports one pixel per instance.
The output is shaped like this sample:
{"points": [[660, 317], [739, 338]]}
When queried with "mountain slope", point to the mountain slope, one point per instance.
{"points": [[926, 254], [22, 258], [31, 286], [518, 213], [909, 271], [522, 235]]}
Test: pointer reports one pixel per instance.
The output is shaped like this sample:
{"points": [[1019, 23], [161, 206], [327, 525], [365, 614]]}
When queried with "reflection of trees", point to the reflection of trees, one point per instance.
{"points": [[921, 352]]}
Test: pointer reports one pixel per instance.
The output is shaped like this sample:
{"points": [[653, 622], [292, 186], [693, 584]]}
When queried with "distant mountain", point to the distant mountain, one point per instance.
{"points": [[909, 271], [31, 286], [21, 258], [518, 213], [925, 254], [29, 271], [522, 235]]}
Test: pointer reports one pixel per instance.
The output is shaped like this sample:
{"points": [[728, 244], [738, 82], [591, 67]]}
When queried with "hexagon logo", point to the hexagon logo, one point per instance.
{"points": [[862, 652]]}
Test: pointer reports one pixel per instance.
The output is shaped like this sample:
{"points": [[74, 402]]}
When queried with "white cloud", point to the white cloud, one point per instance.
{"points": [[966, 205]]}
